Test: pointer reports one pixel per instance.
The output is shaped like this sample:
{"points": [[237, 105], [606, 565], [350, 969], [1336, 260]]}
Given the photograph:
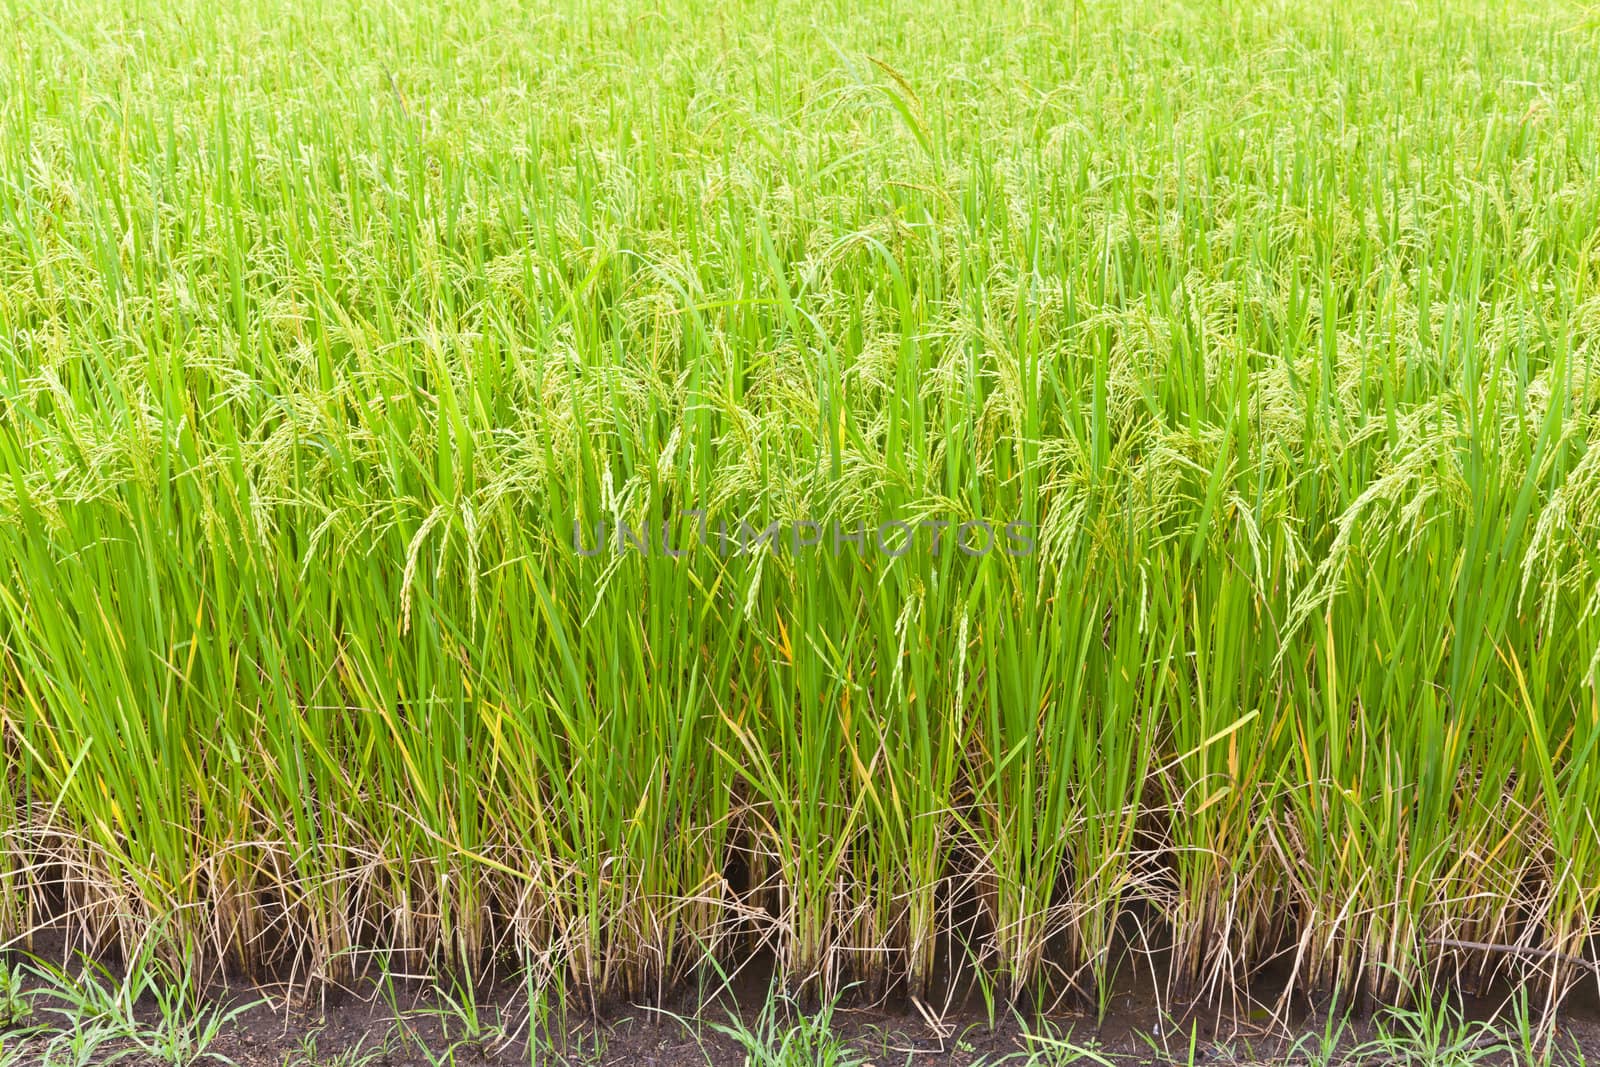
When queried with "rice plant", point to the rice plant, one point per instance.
{"points": [[625, 486]]}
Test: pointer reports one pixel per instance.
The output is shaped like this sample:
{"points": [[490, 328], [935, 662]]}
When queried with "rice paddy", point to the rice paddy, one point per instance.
{"points": [[627, 489]]}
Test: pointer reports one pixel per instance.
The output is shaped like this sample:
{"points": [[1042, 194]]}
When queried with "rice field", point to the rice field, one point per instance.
{"points": [[621, 490]]}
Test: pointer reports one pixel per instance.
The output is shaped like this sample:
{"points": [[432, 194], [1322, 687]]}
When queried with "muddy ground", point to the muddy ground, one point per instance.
{"points": [[406, 1023]]}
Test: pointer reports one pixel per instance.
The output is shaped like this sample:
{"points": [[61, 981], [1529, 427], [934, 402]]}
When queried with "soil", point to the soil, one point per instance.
{"points": [[410, 1025]]}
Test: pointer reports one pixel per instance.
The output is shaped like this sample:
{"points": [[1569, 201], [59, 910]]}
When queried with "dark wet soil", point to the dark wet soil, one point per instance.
{"points": [[409, 1023], [357, 1032]]}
